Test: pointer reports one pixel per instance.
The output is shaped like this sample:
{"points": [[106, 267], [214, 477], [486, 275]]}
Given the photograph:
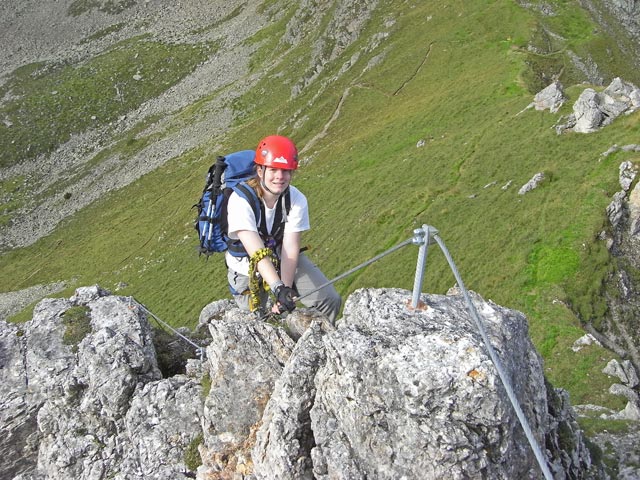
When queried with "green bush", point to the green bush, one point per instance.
{"points": [[77, 322], [192, 457]]}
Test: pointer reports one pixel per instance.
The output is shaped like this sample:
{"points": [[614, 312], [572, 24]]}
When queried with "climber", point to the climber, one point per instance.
{"points": [[270, 246]]}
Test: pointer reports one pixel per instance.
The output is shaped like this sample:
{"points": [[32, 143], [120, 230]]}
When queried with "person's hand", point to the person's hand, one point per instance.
{"points": [[285, 297]]}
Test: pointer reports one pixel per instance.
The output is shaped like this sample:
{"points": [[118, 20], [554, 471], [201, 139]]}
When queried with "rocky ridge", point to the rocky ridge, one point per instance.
{"points": [[623, 241], [388, 393]]}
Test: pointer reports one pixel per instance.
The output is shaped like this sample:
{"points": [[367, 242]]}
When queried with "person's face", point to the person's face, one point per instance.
{"points": [[275, 179]]}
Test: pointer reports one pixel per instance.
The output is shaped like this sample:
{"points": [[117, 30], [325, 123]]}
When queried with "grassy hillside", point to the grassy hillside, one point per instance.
{"points": [[455, 76]]}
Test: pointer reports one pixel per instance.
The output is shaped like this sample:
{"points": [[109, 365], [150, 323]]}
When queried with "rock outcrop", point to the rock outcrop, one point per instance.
{"points": [[594, 110], [532, 184], [628, 382], [550, 98], [389, 393], [623, 241], [89, 401]]}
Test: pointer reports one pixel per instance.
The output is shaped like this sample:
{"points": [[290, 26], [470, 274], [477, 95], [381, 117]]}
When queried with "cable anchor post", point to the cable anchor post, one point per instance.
{"points": [[422, 237]]}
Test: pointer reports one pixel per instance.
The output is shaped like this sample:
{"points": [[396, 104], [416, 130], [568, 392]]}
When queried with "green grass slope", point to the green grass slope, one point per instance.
{"points": [[455, 76]]}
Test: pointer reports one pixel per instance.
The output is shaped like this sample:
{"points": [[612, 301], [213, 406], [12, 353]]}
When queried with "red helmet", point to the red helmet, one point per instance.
{"points": [[277, 152]]}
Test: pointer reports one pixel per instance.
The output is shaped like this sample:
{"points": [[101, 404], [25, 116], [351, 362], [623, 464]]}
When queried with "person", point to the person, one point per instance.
{"points": [[276, 256]]}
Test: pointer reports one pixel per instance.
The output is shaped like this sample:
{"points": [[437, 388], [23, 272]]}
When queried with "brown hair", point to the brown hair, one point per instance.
{"points": [[254, 183]]}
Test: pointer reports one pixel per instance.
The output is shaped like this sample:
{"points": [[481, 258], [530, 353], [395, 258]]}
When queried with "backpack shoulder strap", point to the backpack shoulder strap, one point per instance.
{"points": [[250, 195], [282, 211], [287, 200], [235, 247], [283, 207]]}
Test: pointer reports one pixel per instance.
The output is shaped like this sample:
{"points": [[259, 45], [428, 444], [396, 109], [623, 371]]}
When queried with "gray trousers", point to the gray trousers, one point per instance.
{"points": [[308, 277]]}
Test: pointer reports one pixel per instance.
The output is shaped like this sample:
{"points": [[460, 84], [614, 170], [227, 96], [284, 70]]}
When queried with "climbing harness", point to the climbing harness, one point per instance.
{"points": [[256, 283], [424, 237]]}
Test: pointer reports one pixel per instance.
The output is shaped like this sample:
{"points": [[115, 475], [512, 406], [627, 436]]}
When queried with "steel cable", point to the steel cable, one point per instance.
{"points": [[200, 349], [496, 361]]}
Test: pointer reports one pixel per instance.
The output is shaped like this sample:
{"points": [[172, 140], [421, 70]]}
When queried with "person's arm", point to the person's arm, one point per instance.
{"points": [[284, 294], [289, 257], [252, 243]]}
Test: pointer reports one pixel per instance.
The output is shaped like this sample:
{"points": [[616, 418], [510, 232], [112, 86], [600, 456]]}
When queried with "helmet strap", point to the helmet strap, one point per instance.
{"points": [[262, 184]]}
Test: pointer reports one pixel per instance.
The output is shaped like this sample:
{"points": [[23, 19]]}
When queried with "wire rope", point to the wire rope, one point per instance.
{"points": [[542, 462], [200, 349]]}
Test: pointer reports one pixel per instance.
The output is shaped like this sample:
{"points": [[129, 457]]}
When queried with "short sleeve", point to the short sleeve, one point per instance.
{"points": [[240, 216], [298, 218]]}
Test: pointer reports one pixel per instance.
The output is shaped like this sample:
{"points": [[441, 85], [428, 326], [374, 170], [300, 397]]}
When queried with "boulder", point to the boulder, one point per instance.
{"points": [[531, 184], [594, 110], [550, 98], [587, 112], [624, 92], [624, 371], [413, 394], [628, 376]]}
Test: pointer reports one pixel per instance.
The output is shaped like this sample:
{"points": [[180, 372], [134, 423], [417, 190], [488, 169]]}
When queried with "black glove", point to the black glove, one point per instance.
{"points": [[284, 296]]}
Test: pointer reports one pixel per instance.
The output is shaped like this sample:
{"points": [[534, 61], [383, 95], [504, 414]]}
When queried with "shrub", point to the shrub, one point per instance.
{"points": [[192, 457], [77, 322]]}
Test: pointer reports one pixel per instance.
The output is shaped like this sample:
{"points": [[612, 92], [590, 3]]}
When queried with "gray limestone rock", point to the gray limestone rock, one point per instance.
{"points": [[413, 394], [587, 112], [634, 212], [594, 110], [531, 184], [550, 98], [246, 357], [624, 371], [625, 92], [82, 396], [628, 172], [390, 392], [285, 439], [616, 209]]}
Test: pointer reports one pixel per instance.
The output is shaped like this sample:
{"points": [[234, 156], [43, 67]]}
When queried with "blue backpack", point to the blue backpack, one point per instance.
{"points": [[227, 175]]}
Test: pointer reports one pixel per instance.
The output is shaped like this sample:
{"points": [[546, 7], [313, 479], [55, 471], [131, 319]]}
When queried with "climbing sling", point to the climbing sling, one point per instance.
{"points": [[255, 282]]}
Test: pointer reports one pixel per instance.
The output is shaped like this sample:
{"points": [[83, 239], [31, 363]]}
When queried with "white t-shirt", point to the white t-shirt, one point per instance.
{"points": [[240, 217]]}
